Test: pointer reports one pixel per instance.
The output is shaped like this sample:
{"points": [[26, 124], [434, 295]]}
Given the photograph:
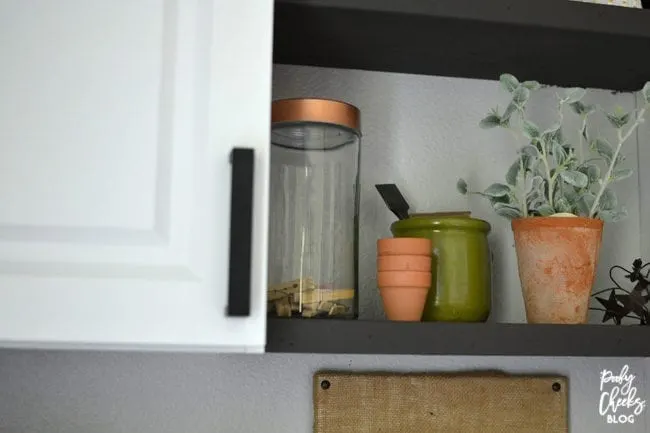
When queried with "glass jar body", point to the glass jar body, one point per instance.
{"points": [[313, 227]]}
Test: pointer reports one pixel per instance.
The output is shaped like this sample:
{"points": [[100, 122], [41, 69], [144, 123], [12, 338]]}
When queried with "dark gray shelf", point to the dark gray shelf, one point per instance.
{"points": [[558, 42], [385, 337]]}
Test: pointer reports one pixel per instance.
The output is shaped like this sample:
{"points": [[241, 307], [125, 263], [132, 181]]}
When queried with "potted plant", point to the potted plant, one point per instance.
{"points": [[557, 194]]}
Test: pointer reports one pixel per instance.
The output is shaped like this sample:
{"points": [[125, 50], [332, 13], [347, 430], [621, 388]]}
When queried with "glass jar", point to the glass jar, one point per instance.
{"points": [[314, 201]]}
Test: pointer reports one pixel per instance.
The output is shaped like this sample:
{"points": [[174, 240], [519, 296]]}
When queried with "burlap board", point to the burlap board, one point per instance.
{"points": [[432, 403]]}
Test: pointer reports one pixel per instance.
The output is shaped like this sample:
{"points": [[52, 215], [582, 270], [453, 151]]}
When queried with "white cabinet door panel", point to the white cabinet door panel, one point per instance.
{"points": [[117, 119]]}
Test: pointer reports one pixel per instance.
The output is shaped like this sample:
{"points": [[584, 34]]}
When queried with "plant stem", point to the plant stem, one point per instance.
{"points": [[580, 145], [522, 199], [522, 173], [621, 139], [551, 180]]}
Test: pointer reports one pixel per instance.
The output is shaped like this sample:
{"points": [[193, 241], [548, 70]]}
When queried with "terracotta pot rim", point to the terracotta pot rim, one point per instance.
{"points": [[404, 246], [403, 279], [404, 263], [405, 288], [556, 222]]}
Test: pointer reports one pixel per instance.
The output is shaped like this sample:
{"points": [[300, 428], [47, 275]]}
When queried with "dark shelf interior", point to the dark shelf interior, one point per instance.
{"points": [[484, 339], [558, 42]]}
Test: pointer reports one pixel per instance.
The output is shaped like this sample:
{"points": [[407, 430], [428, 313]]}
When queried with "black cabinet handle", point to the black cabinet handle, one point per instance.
{"points": [[241, 232]]}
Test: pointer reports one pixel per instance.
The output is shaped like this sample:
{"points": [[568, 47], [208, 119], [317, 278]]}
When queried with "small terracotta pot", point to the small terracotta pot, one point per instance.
{"points": [[404, 276], [404, 263], [404, 246], [557, 260], [405, 304], [404, 294], [403, 279]]}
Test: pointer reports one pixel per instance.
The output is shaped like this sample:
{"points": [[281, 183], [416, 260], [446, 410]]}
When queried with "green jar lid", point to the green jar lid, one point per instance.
{"points": [[441, 221]]}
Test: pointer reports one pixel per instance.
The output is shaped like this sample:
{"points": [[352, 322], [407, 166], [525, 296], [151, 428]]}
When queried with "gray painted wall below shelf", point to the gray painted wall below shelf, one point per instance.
{"points": [[82, 392]]}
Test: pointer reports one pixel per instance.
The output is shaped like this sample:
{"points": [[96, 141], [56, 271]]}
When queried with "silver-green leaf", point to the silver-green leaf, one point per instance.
{"points": [[608, 200], [490, 121], [559, 154], [618, 120], [603, 148], [461, 186], [581, 108], [562, 205], [509, 82], [530, 130], [593, 173], [545, 210], [510, 109], [520, 96], [534, 184], [574, 94], [529, 151], [497, 190], [570, 193], [554, 133], [507, 199], [585, 202], [531, 85], [507, 211], [612, 215], [607, 215], [646, 92], [621, 174], [513, 171], [535, 199], [575, 178]]}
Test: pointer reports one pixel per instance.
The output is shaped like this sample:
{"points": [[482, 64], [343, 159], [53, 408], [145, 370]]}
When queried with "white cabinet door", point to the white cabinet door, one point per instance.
{"points": [[117, 122]]}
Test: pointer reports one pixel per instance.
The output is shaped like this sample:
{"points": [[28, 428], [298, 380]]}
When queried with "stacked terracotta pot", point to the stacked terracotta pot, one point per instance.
{"points": [[404, 276]]}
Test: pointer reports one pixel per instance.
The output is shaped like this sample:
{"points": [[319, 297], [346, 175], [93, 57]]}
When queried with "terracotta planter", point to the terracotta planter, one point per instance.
{"points": [[404, 263], [404, 276], [557, 260], [404, 246]]}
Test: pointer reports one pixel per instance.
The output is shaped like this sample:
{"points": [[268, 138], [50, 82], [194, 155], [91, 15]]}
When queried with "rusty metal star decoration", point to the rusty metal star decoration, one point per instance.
{"points": [[624, 303], [613, 310]]}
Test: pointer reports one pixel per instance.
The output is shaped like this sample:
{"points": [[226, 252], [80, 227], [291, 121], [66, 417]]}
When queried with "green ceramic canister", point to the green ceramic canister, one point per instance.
{"points": [[461, 277]]}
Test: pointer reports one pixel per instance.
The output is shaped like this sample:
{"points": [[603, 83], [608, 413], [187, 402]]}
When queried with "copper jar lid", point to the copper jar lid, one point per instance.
{"points": [[316, 110]]}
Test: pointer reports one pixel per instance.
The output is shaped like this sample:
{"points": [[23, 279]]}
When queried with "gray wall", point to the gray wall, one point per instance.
{"points": [[419, 132], [69, 392]]}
